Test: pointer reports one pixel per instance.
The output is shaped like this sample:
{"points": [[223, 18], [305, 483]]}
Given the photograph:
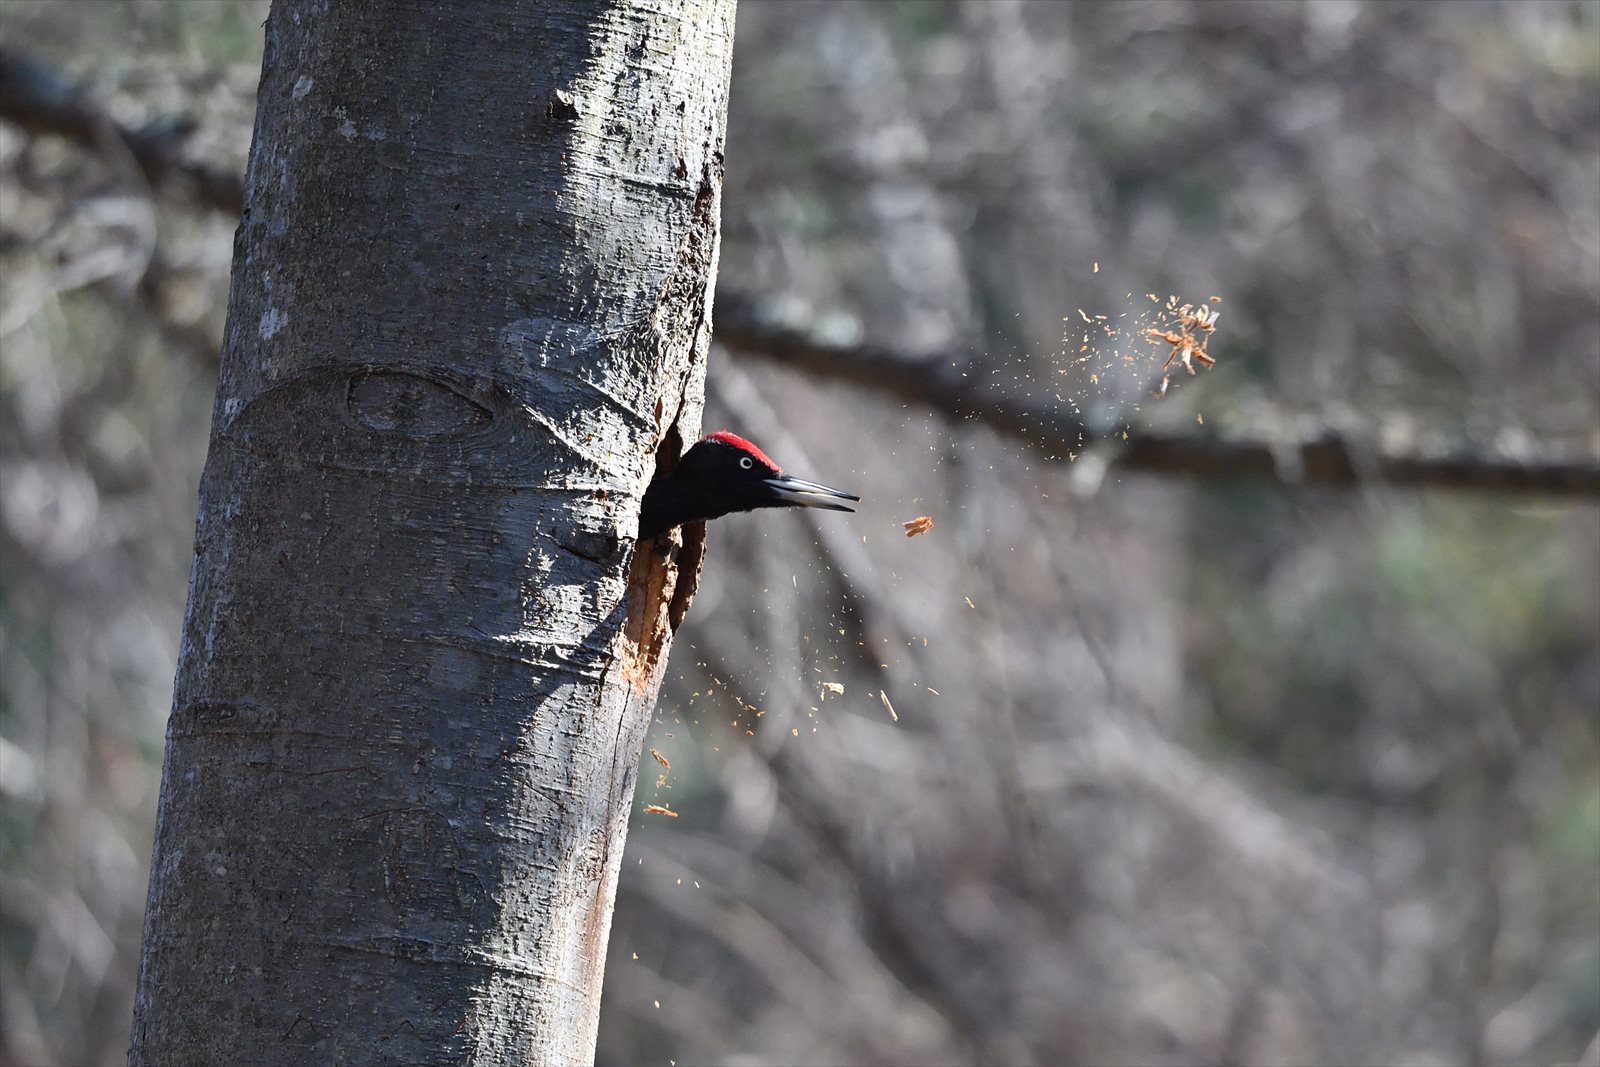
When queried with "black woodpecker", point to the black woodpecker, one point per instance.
{"points": [[723, 473]]}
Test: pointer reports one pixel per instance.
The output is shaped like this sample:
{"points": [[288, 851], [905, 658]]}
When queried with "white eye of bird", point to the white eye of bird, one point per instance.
{"points": [[745, 462]]}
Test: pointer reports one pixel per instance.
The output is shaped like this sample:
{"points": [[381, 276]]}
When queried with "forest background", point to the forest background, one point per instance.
{"points": [[1191, 764]]}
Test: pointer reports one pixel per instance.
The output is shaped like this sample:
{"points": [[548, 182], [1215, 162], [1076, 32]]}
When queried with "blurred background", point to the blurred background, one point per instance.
{"points": [[1223, 770]]}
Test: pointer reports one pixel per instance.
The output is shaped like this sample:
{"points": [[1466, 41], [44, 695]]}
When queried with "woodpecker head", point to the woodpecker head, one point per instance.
{"points": [[724, 473]]}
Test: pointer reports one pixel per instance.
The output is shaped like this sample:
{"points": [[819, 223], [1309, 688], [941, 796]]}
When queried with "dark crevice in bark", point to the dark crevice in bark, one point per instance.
{"points": [[665, 571]]}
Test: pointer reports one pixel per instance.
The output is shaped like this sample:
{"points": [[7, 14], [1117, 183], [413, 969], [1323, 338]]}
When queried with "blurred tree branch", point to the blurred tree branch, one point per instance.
{"points": [[1328, 457], [40, 99]]}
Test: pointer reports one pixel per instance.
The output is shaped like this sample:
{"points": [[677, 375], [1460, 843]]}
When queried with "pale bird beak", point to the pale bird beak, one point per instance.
{"points": [[806, 494]]}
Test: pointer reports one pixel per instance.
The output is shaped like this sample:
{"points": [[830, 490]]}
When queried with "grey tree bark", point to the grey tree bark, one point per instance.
{"points": [[471, 300]]}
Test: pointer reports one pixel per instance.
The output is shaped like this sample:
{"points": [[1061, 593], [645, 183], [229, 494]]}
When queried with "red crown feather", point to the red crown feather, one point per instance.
{"points": [[733, 440]]}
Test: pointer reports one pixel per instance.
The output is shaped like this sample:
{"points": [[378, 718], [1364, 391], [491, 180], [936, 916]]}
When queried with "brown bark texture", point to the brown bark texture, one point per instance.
{"points": [[470, 301]]}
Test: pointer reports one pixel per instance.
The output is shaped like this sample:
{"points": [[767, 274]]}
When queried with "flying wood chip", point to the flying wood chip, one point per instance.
{"points": [[1196, 323], [919, 525], [657, 809]]}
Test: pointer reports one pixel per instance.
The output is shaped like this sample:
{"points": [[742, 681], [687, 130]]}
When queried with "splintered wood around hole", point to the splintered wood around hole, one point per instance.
{"points": [[661, 583]]}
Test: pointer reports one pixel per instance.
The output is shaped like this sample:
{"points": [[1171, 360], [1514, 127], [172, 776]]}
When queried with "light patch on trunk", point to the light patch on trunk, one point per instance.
{"points": [[272, 320]]}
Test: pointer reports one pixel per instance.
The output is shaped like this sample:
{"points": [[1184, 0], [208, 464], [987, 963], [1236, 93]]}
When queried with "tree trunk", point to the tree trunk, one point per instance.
{"points": [[471, 298]]}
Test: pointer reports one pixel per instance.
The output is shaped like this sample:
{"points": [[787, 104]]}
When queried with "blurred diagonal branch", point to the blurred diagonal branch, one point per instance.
{"points": [[884, 618], [888, 934], [41, 100], [1328, 458]]}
